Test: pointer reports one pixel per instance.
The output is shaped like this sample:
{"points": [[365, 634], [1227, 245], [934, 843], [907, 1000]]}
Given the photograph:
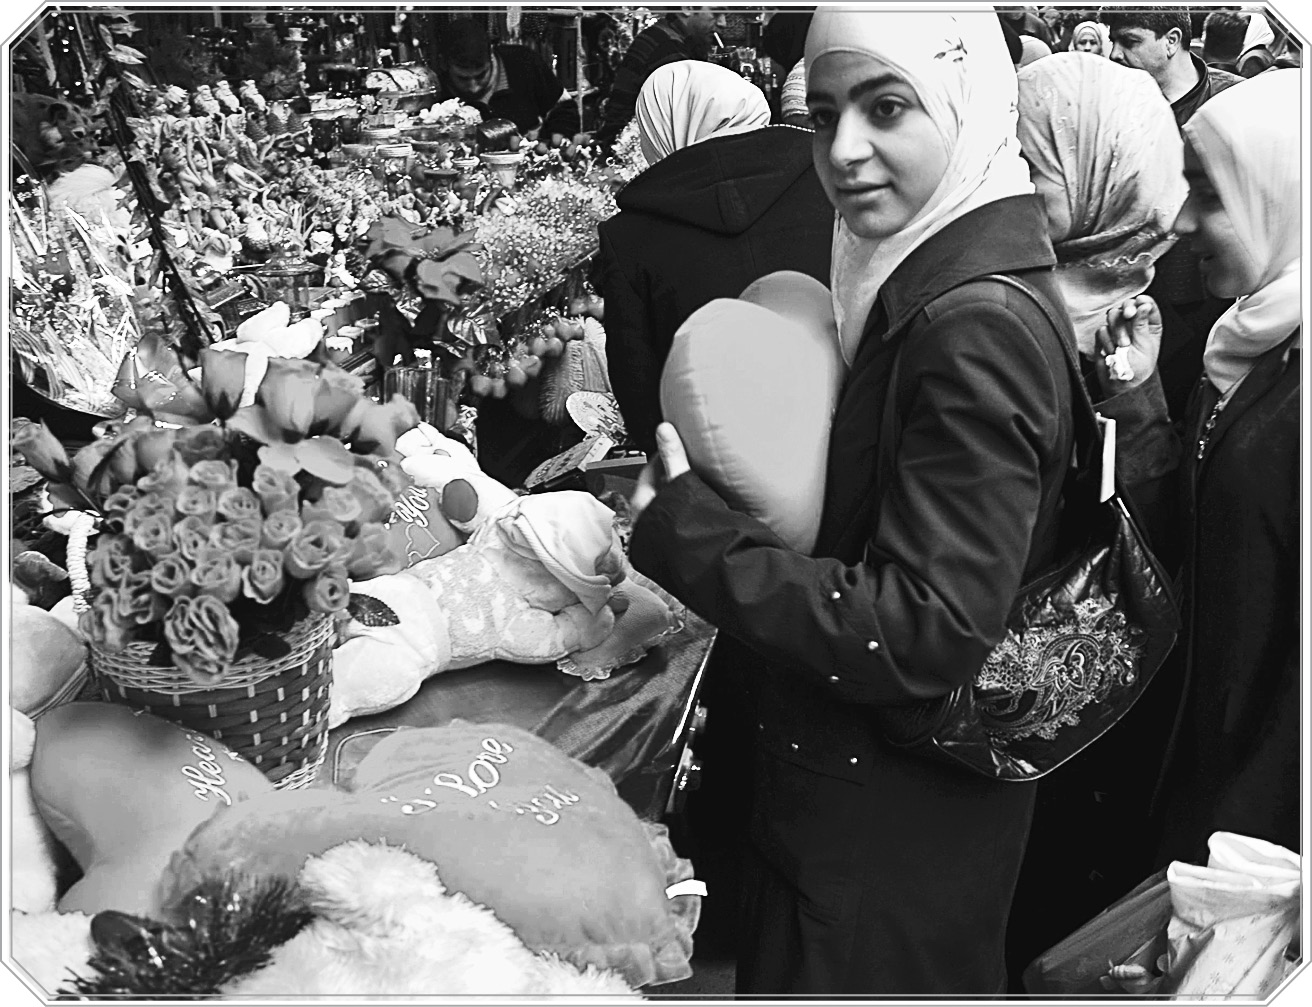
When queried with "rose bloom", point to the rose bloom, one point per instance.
{"points": [[394, 478], [337, 503], [287, 394], [239, 504], [135, 601], [191, 535], [217, 574], [262, 581], [154, 535], [318, 544], [372, 554], [171, 576], [329, 591], [376, 500], [101, 623], [201, 443], [240, 538], [203, 636], [147, 505], [213, 474], [152, 447], [197, 501], [113, 559], [168, 477], [277, 490], [279, 529], [117, 504]]}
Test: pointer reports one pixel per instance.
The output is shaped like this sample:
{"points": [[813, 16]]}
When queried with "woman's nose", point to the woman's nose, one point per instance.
{"points": [[849, 145], [1187, 220]]}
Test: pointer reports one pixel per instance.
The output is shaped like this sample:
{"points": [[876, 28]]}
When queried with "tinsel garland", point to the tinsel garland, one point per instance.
{"points": [[225, 928]]}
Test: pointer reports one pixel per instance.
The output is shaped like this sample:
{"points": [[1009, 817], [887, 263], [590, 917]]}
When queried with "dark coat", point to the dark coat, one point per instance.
{"points": [[1230, 520], [890, 874], [700, 224], [664, 42]]}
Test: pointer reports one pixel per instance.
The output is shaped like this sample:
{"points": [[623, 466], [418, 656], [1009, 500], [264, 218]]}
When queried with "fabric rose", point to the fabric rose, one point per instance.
{"points": [[239, 504], [43, 451], [217, 574], [334, 399], [394, 478], [168, 477], [318, 544], [262, 581], [154, 535], [279, 529], [191, 536], [116, 506], [135, 600], [376, 500], [201, 443], [277, 490], [376, 427], [171, 576], [101, 623], [84, 464], [337, 503], [213, 474], [240, 538], [111, 561], [329, 591], [222, 379], [197, 502], [287, 394], [151, 448], [145, 506], [372, 554], [203, 636]]}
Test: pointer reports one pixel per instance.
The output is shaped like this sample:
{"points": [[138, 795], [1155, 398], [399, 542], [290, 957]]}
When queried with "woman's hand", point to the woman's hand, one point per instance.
{"points": [[1126, 348], [671, 461]]}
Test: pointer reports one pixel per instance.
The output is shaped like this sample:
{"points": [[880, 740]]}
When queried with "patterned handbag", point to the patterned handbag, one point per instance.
{"points": [[1083, 640]]}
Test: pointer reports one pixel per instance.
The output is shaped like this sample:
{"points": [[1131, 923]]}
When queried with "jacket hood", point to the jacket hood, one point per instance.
{"points": [[724, 184]]}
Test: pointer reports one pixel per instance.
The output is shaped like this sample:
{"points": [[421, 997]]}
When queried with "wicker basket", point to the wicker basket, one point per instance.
{"points": [[272, 713]]}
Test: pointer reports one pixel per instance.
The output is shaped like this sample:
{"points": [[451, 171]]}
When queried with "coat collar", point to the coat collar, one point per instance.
{"points": [[1004, 236]]}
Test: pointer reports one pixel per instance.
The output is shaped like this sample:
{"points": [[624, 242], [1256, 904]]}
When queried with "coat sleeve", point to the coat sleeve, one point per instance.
{"points": [[631, 357], [948, 549]]}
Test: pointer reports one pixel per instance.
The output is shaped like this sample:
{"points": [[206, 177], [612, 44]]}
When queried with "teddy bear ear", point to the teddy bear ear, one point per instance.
{"points": [[459, 501]]}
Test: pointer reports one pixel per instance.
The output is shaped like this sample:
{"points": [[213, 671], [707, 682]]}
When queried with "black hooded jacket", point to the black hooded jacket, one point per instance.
{"points": [[703, 223]]}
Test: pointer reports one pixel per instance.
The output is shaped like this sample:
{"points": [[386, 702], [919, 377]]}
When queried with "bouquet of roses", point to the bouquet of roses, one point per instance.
{"points": [[217, 537]]}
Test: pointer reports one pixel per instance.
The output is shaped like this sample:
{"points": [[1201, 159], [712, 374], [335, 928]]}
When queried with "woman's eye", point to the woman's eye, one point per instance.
{"points": [[821, 118], [885, 109]]}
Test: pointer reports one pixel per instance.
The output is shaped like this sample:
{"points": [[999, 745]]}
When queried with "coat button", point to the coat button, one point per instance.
{"points": [[833, 678], [852, 760], [793, 746], [836, 595], [872, 645]]}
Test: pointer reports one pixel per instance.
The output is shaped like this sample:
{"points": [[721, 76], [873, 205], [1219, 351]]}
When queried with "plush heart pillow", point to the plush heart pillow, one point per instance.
{"points": [[751, 385], [509, 820], [123, 791]]}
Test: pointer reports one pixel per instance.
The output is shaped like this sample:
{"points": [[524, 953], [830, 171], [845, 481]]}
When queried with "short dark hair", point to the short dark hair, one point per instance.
{"points": [[1223, 35], [1158, 20], [464, 42], [784, 37]]}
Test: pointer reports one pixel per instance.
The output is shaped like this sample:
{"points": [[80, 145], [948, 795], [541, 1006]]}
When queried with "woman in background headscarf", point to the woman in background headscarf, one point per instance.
{"points": [[685, 102], [1105, 154], [1229, 477], [1090, 36], [873, 871]]}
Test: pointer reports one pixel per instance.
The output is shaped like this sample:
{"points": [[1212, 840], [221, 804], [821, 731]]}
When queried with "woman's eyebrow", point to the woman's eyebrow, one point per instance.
{"points": [[873, 84]]}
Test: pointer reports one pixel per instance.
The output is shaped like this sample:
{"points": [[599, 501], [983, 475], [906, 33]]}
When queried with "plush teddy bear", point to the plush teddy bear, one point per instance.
{"points": [[540, 579], [364, 919]]}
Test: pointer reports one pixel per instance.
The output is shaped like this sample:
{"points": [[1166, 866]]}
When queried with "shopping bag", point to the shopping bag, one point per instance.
{"points": [[1235, 923], [1127, 938]]}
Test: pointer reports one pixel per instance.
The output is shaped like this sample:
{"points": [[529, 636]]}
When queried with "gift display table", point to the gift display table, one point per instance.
{"points": [[634, 725]]}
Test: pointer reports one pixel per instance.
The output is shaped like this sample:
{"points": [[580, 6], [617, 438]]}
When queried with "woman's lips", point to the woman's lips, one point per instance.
{"points": [[861, 193]]}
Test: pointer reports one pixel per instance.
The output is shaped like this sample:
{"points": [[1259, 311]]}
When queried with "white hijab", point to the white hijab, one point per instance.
{"points": [[1248, 139], [1259, 32], [961, 71], [689, 101]]}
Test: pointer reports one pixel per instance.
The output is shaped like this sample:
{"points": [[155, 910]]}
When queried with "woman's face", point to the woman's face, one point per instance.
{"points": [[1088, 43], [878, 153], [1228, 270], [1059, 210]]}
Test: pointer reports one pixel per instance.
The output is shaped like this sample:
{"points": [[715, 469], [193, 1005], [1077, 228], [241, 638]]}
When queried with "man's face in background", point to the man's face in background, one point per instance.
{"points": [[469, 81], [702, 22]]}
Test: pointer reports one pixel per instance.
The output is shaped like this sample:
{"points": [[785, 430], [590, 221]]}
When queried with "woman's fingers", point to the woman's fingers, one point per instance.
{"points": [[673, 455], [645, 492]]}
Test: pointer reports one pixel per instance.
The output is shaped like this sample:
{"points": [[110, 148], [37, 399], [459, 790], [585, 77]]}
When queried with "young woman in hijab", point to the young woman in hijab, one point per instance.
{"points": [[1106, 156], [873, 871], [1089, 36], [723, 202], [1229, 475]]}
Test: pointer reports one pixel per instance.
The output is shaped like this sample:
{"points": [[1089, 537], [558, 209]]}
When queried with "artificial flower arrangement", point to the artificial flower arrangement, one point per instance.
{"points": [[223, 529]]}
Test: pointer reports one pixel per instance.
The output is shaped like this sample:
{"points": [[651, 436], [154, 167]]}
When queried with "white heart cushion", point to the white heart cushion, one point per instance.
{"points": [[751, 385]]}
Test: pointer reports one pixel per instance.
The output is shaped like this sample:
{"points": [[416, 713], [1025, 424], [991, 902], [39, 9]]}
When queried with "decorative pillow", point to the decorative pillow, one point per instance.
{"points": [[751, 386], [123, 791], [509, 820], [49, 660]]}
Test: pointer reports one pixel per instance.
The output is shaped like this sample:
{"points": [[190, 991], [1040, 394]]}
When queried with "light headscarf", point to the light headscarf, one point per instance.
{"points": [[1097, 31], [689, 101], [1248, 140], [960, 69], [1105, 135], [1259, 32], [1032, 50]]}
